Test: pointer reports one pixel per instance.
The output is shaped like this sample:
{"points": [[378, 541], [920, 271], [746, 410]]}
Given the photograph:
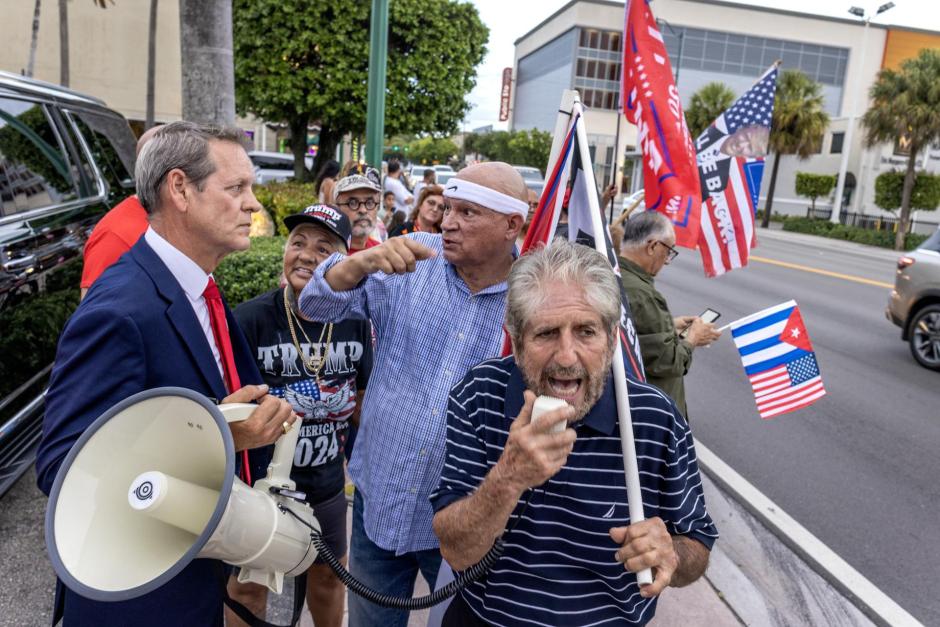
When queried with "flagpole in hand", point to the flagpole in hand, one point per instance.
{"points": [[624, 417]]}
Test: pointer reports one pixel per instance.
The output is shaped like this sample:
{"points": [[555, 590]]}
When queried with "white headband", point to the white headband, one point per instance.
{"points": [[462, 189]]}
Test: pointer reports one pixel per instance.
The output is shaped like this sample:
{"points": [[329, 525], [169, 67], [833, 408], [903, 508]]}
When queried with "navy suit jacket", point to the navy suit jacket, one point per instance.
{"points": [[135, 330]]}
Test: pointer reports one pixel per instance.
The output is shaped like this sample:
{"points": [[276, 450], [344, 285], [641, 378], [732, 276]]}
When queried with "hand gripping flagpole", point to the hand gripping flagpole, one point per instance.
{"points": [[627, 443]]}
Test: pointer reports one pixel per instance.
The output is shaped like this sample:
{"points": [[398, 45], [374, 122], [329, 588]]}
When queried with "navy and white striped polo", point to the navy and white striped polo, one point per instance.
{"points": [[558, 567]]}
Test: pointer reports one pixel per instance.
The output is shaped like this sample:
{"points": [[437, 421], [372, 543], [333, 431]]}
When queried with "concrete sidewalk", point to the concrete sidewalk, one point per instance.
{"points": [[697, 604], [753, 579]]}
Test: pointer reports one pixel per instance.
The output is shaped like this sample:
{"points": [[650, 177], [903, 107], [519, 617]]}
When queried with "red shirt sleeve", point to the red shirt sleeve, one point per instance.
{"points": [[101, 252]]}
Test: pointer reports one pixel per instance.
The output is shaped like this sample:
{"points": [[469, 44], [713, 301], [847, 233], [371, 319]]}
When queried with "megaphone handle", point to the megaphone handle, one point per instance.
{"points": [[283, 460], [236, 412]]}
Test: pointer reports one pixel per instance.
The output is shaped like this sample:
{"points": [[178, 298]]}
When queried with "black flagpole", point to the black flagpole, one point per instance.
{"points": [[616, 166]]}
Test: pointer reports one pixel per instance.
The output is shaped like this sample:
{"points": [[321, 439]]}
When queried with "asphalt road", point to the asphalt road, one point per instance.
{"points": [[859, 468]]}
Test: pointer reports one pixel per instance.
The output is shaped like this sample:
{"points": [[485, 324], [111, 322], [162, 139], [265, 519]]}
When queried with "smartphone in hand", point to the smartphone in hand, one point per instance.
{"points": [[709, 315]]}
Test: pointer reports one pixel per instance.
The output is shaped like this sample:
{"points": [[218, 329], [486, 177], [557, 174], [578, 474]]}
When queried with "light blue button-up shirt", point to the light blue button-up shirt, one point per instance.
{"points": [[430, 330]]}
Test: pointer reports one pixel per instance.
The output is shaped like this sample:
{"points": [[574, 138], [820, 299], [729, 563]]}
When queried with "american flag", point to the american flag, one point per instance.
{"points": [[730, 155], [778, 359]]}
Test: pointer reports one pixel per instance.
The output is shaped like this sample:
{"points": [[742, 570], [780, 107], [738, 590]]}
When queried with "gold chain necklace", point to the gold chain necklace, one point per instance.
{"points": [[312, 364]]}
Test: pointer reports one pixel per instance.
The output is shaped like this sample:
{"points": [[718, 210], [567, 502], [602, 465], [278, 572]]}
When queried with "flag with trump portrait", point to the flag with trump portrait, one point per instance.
{"points": [[778, 359], [730, 155], [651, 101]]}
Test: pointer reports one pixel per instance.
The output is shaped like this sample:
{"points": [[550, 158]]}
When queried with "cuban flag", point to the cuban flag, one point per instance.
{"points": [[778, 359], [730, 155]]}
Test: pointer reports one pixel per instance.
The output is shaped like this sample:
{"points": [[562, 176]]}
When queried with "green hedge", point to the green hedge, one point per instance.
{"points": [[814, 186], [774, 216], [242, 276], [889, 187], [825, 228], [284, 199]]}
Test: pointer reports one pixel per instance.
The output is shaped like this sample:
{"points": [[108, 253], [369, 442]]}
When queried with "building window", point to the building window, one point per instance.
{"points": [[836, 146], [747, 55], [597, 70], [608, 40]]}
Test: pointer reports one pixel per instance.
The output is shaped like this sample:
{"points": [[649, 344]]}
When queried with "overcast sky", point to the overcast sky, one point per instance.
{"points": [[510, 19]]}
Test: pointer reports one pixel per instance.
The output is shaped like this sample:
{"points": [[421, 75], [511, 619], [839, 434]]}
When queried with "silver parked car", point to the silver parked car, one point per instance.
{"points": [[532, 177], [914, 304], [274, 167]]}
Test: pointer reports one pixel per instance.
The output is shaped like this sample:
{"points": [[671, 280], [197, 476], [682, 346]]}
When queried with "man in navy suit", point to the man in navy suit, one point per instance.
{"points": [[145, 323]]}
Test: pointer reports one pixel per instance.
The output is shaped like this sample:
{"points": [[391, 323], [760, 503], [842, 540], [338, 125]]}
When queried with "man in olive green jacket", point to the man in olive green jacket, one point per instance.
{"points": [[649, 244]]}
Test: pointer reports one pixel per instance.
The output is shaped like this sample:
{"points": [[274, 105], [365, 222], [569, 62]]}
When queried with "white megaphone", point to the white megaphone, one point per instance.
{"points": [[151, 486]]}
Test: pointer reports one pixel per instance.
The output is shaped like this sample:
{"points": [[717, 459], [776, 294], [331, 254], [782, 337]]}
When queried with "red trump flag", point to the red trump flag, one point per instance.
{"points": [[651, 101]]}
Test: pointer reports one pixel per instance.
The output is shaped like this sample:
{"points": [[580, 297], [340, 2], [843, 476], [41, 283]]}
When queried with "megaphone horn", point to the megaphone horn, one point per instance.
{"points": [[151, 485]]}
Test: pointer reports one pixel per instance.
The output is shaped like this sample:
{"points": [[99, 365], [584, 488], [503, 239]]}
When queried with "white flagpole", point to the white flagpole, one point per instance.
{"points": [[628, 446], [562, 124]]}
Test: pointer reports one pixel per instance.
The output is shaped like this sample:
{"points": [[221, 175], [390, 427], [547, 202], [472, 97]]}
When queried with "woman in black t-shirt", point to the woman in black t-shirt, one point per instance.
{"points": [[322, 370]]}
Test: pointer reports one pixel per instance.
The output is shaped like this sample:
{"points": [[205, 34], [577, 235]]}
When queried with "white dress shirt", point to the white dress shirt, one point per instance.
{"points": [[192, 279]]}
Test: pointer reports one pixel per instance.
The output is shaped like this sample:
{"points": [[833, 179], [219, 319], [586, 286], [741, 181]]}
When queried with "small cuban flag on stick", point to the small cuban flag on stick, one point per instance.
{"points": [[778, 359]]}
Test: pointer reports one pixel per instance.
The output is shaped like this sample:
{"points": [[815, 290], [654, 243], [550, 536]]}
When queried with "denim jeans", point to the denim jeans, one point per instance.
{"points": [[384, 572]]}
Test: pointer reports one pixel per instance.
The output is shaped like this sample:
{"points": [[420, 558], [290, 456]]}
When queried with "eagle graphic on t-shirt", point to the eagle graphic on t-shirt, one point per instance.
{"points": [[333, 400]]}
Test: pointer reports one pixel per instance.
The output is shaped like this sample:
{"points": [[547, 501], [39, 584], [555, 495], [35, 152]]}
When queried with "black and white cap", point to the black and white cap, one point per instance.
{"points": [[328, 217]]}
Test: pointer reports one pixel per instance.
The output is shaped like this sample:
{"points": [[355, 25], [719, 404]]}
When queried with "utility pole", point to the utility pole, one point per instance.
{"points": [[378, 58]]}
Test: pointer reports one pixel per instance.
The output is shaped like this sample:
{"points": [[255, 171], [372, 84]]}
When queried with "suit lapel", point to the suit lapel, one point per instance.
{"points": [[181, 316]]}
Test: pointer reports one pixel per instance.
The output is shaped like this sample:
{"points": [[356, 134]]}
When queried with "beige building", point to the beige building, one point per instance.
{"points": [[579, 47], [108, 56]]}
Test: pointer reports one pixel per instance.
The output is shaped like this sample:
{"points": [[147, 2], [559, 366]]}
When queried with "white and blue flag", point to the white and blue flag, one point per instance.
{"points": [[778, 359]]}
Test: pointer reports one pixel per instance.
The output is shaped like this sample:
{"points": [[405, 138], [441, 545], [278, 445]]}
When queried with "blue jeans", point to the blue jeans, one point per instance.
{"points": [[384, 572]]}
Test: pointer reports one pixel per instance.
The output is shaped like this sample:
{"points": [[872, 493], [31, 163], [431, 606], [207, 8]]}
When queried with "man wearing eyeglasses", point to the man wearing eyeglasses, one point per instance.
{"points": [[358, 196], [666, 343]]}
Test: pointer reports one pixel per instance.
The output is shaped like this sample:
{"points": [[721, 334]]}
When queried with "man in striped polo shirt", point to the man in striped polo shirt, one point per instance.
{"points": [[559, 499]]}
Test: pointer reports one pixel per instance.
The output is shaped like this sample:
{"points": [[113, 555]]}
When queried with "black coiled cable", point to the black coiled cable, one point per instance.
{"points": [[467, 577]]}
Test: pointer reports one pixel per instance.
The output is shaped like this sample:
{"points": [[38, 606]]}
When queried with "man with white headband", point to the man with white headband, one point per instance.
{"points": [[437, 304]]}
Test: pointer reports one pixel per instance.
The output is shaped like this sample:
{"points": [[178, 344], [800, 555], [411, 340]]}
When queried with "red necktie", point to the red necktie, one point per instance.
{"points": [[220, 332], [224, 343]]}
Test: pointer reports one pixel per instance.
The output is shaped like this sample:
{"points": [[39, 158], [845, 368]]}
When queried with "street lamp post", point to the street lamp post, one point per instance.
{"points": [[375, 107], [681, 36], [853, 112]]}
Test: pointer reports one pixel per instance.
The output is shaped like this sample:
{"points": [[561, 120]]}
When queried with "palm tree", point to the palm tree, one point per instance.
{"points": [[64, 62], [64, 43], [706, 105], [906, 103], [799, 123], [207, 61], [151, 64], [33, 40]]}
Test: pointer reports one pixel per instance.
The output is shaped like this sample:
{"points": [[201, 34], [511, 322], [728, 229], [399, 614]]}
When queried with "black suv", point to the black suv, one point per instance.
{"points": [[65, 159]]}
